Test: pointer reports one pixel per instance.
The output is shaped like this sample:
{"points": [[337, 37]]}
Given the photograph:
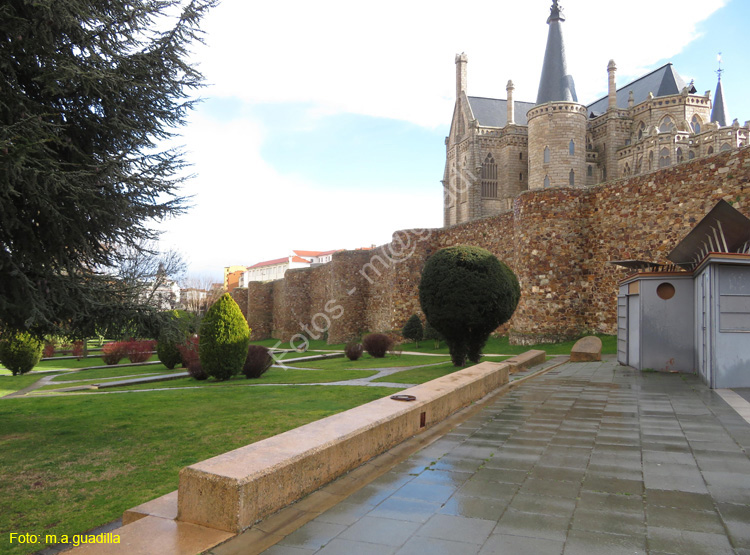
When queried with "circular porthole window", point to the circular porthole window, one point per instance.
{"points": [[665, 291]]}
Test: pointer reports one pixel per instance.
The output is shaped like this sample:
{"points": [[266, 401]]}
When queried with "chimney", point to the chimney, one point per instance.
{"points": [[511, 107], [611, 69], [461, 60]]}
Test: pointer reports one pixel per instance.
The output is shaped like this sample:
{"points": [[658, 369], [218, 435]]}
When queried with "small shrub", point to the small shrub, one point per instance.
{"points": [[258, 361], [224, 339], [77, 350], [177, 329], [189, 351], [139, 351], [413, 330], [49, 350], [114, 352], [195, 370], [20, 352], [377, 344], [168, 353], [432, 333], [353, 350]]}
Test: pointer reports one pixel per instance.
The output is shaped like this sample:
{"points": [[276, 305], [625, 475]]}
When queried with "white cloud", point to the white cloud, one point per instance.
{"points": [[395, 59], [392, 59], [245, 211]]}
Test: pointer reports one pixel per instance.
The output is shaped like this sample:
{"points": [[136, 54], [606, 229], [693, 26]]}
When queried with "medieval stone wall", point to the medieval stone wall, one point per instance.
{"points": [[558, 242]]}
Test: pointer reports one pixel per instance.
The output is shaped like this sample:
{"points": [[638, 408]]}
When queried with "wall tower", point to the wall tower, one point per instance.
{"points": [[557, 124]]}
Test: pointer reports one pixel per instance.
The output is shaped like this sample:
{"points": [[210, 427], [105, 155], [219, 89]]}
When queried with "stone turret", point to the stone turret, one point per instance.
{"points": [[461, 60], [557, 124]]}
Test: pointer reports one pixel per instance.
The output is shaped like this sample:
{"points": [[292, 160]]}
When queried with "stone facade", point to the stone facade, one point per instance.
{"points": [[498, 148], [558, 241]]}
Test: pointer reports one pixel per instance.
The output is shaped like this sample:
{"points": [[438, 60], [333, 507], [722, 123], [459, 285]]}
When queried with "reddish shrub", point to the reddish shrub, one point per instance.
{"points": [[49, 350], [77, 350], [354, 350], [258, 361], [114, 352], [195, 370], [140, 351], [189, 351], [377, 344]]}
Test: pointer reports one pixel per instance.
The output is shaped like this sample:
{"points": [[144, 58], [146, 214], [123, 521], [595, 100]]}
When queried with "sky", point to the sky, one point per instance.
{"points": [[322, 124]]}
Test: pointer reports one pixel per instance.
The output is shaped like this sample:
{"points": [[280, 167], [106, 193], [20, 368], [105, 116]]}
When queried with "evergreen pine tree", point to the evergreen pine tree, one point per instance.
{"points": [[89, 90], [413, 329]]}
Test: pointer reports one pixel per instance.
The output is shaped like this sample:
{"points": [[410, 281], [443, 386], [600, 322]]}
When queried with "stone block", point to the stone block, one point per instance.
{"points": [[586, 349]]}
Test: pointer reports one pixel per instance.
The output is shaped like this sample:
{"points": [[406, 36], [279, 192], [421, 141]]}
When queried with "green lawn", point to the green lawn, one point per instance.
{"points": [[390, 361], [113, 372], [10, 384], [68, 464], [314, 345], [500, 345], [426, 373], [273, 376]]}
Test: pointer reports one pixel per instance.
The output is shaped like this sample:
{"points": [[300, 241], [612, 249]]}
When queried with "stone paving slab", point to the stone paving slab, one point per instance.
{"points": [[587, 458]]}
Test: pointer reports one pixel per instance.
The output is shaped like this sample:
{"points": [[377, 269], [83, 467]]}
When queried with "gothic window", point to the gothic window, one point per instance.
{"points": [[571, 148], [489, 177], [520, 155], [604, 173], [725, 147], [710, 150], [695, 123], [680, 157], [650, 161], [664, 159], [691, 155], [589, 171], [641, 130], [520, 176], [572, 178], [666, 125], [638, 165], [626, 171], [546, 181], [546, 155]]}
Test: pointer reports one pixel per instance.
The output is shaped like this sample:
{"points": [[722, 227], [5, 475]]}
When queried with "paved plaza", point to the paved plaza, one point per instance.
{"points": [[588, 458]]}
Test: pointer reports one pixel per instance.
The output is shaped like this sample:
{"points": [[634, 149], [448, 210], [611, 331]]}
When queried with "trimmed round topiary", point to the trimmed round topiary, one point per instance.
{"points": [[224, 339], [20, 352], [466, 293], [413, 330]]}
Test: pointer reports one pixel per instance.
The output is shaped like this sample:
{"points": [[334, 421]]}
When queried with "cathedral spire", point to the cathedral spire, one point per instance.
{"points": [[719, 113], [556, 84]]}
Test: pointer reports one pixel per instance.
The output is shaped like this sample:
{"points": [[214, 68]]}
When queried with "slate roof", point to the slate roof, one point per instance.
{"points": [[719, 113], [663, 81], [493, 112], [556, 84]]}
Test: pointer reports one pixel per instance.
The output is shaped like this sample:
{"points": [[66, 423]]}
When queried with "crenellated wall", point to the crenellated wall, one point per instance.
{"points": [[558, 242]]}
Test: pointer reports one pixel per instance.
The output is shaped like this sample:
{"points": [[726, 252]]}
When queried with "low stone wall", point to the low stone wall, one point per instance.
{"points": [[232, 491]]}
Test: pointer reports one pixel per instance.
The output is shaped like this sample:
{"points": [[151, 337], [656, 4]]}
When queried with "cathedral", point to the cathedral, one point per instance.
{"points": [[499, 148]]}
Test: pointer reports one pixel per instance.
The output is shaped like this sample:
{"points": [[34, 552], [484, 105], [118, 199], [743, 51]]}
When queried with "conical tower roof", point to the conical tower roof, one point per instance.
{"points": [[719, 113], [556, 84]]}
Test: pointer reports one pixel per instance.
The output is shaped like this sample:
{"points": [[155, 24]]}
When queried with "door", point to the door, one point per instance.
{"points": [[634, 331]]}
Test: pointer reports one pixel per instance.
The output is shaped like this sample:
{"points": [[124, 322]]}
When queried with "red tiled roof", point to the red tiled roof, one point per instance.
{"points": [[269, 262], [308, 253], [280, 261]]}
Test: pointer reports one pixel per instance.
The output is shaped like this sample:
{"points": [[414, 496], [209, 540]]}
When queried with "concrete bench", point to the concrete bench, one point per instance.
{"points": [[234, 490], [526, 360], [587, 349]]}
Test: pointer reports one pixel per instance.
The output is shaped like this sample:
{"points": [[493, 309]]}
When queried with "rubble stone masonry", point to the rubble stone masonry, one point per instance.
{"points": [[558, 241]]}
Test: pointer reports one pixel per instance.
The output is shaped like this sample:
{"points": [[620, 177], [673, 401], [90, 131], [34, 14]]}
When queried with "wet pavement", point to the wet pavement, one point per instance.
{"points": [[588, 458]]}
